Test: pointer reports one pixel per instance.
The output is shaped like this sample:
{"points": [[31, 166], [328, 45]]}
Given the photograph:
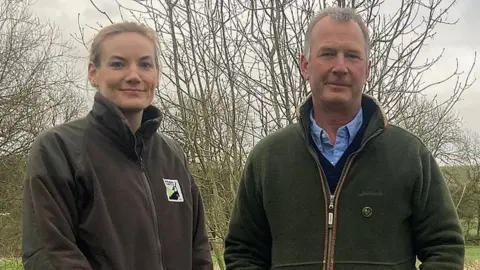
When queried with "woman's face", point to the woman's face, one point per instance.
{"points": [[127, 74]]}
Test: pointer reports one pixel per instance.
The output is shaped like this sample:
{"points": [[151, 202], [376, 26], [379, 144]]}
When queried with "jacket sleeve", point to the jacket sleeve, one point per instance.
{"points": [[201, 255], [49, 211], [437, 232], [248, 241]]}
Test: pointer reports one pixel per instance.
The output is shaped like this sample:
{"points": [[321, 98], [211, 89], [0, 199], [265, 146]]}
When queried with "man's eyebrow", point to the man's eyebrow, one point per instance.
{"points": [[353, 51], [327, 49]]}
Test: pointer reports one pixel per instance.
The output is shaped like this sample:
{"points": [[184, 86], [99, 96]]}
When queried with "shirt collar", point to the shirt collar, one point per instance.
{"points": [[351, 127]]}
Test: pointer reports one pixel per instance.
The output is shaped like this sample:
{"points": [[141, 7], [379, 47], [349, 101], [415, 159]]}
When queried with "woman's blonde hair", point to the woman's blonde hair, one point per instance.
{"points": [[120, 28]]}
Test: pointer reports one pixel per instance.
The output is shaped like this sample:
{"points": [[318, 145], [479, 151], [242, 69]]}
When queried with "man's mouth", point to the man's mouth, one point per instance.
{"points": [[339, 84]]}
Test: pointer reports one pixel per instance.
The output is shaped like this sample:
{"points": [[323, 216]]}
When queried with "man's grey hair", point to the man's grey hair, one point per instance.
{"points": [[341, 15]]}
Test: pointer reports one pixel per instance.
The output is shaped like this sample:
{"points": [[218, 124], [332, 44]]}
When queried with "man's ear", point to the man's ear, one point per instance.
{"points": [[303, 66], [92, 74], [369, 62]]}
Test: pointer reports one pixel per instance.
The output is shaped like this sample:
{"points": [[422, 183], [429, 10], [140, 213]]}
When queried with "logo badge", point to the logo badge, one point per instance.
{"points": [[174, 192]]}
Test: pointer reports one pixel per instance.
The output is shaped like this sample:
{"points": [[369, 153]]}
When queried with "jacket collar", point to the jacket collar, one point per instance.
{"points": [[377, 119], [114, 125]]}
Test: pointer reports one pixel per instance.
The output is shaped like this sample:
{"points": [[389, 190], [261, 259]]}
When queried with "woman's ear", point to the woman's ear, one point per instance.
{"points": [[92, 74]]}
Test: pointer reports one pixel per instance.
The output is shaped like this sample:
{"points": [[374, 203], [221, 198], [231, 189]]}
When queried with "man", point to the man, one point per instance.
{"points": [[342, 189]]}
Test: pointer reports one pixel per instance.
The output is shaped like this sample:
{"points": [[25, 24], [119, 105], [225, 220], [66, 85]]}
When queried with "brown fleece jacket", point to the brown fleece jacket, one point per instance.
{"points": [[99, 197]]}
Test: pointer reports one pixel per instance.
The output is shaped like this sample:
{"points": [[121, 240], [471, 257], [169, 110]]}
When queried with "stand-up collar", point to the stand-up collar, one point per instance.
{"points": [[114, 125]]}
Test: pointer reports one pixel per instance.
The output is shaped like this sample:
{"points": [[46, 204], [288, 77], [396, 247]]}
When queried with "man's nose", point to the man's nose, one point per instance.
{"points": [[340, 66]]}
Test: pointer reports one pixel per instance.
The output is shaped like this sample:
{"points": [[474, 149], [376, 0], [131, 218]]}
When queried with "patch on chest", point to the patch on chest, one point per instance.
{"points": [[174, 191]]}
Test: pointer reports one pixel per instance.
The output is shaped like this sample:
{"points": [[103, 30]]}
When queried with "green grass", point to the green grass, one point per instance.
{"points": [[472, 254], [10, 264]]}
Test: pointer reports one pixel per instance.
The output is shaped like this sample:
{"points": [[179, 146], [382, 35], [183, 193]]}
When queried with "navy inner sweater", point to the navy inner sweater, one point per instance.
{"points": [[333, 172]]}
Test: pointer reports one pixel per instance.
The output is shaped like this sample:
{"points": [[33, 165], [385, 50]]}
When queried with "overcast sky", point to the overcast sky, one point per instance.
{"points": [[460, 41]]}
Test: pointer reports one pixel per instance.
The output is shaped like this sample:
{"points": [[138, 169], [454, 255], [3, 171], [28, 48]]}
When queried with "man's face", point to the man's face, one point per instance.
{"points": [[337, 67], [127, 74]]}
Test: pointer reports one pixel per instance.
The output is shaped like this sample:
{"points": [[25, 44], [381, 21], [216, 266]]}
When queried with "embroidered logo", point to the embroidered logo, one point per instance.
{"points": [[174, 192]]}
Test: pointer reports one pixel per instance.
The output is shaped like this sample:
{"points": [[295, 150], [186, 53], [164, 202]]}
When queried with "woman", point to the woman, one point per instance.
{"points": [[108, 191]]}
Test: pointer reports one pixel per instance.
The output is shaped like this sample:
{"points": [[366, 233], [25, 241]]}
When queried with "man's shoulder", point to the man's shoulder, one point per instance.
{"points": [[279, 141], [400, 136]]}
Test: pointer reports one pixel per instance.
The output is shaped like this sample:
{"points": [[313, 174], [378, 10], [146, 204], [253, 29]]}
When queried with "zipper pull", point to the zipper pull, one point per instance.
{"points": [[330, 211], [142, 164]]}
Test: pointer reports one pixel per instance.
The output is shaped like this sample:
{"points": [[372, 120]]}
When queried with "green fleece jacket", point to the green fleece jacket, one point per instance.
{"points": [[391, 205]]}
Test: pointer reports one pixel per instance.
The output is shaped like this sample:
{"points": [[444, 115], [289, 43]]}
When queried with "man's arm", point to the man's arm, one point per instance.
{"points": [[437, 232], [49, 211], [201, 255], [248, 242]]}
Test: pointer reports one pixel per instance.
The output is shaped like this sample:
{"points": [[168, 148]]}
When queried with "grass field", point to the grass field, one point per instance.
{"points": [[472, 254], [472, 259], [10, 265]]}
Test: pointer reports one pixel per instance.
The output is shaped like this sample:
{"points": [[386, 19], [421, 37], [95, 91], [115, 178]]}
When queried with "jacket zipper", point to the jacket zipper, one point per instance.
{"points": [[330, 227], [330, 209], [333, 200], [151, 203]]}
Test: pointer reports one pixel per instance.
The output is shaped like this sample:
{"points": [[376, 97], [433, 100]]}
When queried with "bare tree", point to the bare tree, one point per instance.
{"points": [[463, 176], [439, 127], [231, 76], [38, 89]]}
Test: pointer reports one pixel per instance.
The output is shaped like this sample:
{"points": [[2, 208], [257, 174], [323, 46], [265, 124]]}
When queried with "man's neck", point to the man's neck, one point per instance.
{"points": [[331, 121]]}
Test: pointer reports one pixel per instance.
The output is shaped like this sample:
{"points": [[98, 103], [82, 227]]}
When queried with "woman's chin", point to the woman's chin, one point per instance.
{"points": [[132, 106]]}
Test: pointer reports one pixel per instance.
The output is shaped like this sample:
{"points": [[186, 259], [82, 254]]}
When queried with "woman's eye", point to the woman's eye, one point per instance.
{"points": [[146, 65], [116, 64]]}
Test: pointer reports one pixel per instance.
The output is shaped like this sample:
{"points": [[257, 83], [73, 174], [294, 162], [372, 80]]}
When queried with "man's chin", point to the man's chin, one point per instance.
{"points": [[336, 101], [336, 98]]}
